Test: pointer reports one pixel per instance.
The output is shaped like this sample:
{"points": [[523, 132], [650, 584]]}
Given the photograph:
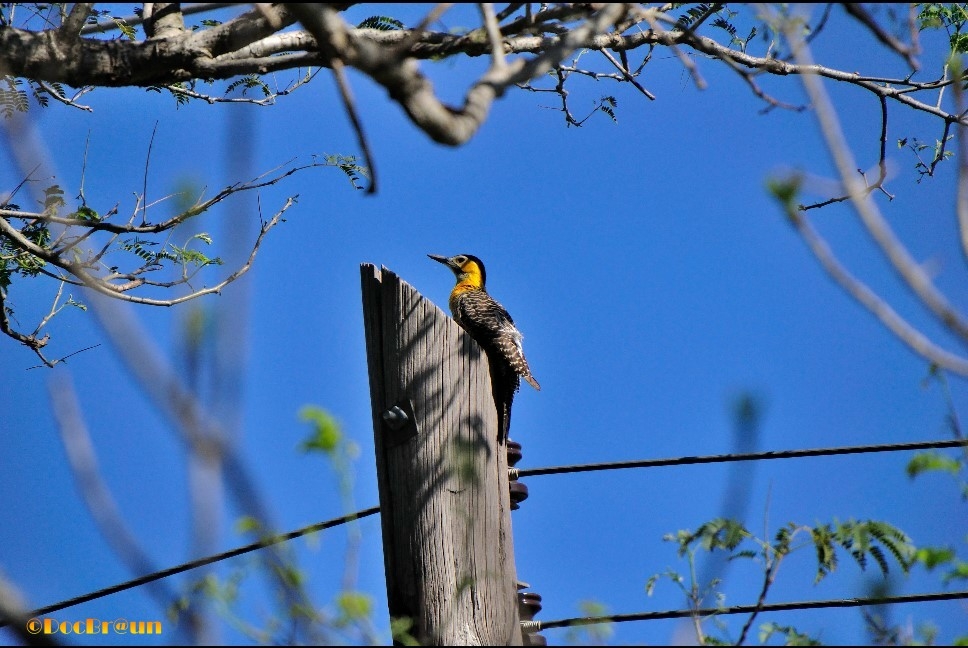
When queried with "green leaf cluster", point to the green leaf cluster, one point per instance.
{"points": [[933, 461], [183, 255], [791, 636], [400, 631], [786, 190], [12, 97], [864, 540], [15, 261], [952, 17], [939, 153], [608, 105], [692, 15], [352, 607], [383, 23], [861, 539], [181, 99], [127, 30], [325, 435], [349, 166], [248, 82], [720, 533]]}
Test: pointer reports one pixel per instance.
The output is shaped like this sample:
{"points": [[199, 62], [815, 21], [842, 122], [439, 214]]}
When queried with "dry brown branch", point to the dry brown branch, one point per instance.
{"points": [[407, 86], [253, 43]]}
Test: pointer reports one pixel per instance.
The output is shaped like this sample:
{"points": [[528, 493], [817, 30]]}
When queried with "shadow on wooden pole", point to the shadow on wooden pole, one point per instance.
{"points": [[444, 502]]}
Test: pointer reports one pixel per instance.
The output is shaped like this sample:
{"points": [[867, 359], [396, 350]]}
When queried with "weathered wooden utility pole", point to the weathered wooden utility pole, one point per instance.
{"points": [[443, 479]]}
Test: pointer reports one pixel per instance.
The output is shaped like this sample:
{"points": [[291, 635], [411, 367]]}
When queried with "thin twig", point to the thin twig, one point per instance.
{"points": [[53, 310], [627, 75], [104, 225], [144, 189], [860, 14], [881, 166], [52, 364], [939, 155], [349, 104], [685, 60], [52, 91], [35, 344], [773, 560], [99, 285]]}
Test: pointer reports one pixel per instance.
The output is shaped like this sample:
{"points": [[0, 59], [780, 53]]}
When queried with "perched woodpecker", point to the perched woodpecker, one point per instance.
{"points": [[492, 327]]}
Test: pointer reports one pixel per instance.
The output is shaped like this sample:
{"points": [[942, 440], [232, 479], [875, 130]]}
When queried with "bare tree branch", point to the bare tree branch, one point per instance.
{"points": [[907, 333], [67, 101], [627, 75], [252, 43], [906, 267], [71, 27], [413, 91], [858, 12], [350, 105], [135, 19], [94, 491], [961, 197], [673, 43], [881, 166]]}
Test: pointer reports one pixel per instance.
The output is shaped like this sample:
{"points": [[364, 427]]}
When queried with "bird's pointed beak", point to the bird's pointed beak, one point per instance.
{"points": [[440, 259]]}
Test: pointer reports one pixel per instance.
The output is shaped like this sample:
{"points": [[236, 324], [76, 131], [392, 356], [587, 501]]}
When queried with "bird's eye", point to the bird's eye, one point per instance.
{"points": [[460, 260]]}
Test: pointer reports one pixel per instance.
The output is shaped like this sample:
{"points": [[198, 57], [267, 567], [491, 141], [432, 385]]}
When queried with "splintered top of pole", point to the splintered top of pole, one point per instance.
{"points": [[443, 483]]}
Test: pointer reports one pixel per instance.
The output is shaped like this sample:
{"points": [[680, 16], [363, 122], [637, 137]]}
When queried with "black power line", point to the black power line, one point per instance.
{"points": [[201, 562], [537, 626], [749, 456], [551, 470]]}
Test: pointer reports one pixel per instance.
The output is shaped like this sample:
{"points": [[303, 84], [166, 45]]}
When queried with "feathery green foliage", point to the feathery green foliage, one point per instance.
{"points": [[247, 82], [863, 540], [349, 166], [13, 98], [607, 105], [383, 23], [951, 17], [692, 15], [791, 636]]}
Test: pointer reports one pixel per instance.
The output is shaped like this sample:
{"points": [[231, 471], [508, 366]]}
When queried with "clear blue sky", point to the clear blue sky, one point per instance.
{"points": [[654, 280]]}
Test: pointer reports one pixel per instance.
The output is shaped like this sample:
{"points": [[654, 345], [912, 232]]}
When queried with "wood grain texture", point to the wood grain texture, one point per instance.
{"points": [[448, 549]]}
